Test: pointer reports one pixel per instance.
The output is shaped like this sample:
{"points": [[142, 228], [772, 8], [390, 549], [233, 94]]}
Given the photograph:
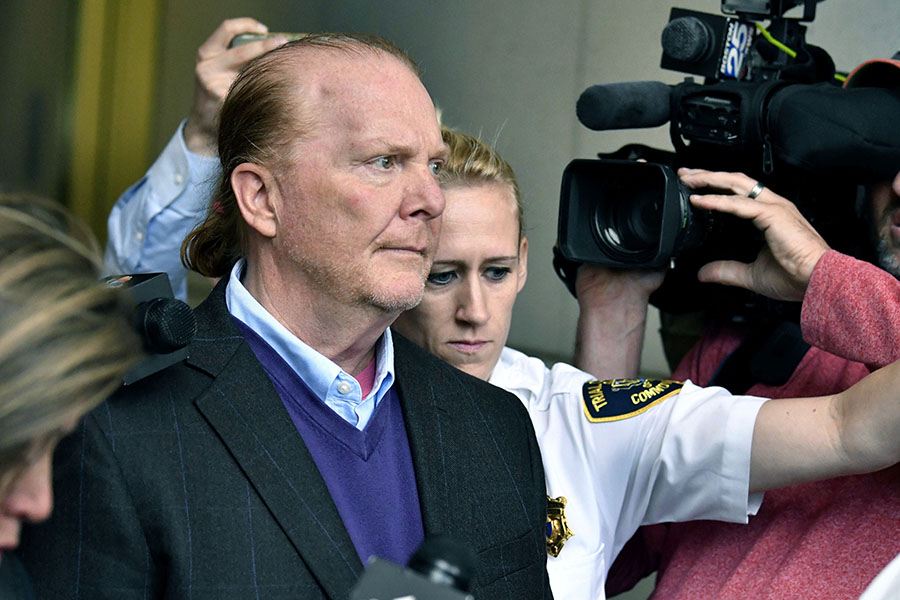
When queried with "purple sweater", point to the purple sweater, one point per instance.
{"points": [[369, 473]]}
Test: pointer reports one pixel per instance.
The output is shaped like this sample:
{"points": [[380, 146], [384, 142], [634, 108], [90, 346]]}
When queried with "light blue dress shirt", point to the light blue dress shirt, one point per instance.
{"points": [[152, 217], [337, 388]]}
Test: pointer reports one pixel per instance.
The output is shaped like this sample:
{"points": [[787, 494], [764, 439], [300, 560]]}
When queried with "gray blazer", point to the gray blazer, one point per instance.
{"points": [[194, 483]]}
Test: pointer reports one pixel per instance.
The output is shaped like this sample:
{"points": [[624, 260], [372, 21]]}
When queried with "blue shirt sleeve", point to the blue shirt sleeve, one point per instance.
{"points": [[151, 218]]}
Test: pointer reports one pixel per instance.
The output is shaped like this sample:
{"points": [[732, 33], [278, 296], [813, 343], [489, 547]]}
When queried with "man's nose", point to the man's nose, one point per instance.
{"points": [[31, 496], [423, 198]]}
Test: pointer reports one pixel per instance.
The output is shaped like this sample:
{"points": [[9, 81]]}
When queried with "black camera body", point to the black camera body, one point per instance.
{"points": [[629, 214], [759, 111], [633, 212]]}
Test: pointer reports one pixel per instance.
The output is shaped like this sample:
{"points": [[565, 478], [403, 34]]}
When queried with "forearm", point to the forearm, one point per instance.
{"points": [[609, 339], [151, 219], [869, 417], [804, 439], [612, 318]]}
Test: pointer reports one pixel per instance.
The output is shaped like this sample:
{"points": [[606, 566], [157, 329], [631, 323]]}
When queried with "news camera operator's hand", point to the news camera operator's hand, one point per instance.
{"points": [[611, 320], [783, 268], [216, 68]]}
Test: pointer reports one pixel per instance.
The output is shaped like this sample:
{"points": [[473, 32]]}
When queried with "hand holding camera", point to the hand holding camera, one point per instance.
{"points": [[784, 266]]}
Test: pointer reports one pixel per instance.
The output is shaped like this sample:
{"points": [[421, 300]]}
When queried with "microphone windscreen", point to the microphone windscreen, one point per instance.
{"points": [[168, 324], [688, 39], [629, 105]]}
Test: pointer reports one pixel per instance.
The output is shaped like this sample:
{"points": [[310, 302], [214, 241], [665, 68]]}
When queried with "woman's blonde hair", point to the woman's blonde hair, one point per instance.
{"points": [[472, 161], [65, 339]]}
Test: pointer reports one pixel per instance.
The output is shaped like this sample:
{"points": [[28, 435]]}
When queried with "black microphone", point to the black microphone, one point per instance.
{"points": [[441, 569], [688, 39], [628, 105], [713, 46], [165, 324]]}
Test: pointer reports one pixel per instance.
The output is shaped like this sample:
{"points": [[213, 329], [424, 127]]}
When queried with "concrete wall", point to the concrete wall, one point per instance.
{"points": [[511, 71]]}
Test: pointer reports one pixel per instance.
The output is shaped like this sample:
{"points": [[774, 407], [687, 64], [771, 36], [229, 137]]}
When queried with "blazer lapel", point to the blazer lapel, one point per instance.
{"points": [[243, 407], [426, 425]]}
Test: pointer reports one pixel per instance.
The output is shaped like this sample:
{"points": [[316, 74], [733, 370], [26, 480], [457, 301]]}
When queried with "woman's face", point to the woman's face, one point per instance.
{"points": [[28, 496], [479, 268]]}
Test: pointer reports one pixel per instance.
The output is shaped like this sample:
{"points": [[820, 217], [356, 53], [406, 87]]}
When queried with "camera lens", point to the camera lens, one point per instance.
{"points": [[628, 222], [627, 218], [626, 214]]}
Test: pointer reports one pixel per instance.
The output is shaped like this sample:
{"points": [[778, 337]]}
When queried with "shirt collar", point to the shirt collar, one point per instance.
{"points": [[318, 372]]}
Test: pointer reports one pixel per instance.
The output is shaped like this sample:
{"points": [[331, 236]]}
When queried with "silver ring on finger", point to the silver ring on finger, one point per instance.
{"points": [[756, 190]]}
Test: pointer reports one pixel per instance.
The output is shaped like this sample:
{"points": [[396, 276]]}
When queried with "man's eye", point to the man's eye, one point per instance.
{"points": [[497, 273], [385, 162], [436, 167], [442, 278]]}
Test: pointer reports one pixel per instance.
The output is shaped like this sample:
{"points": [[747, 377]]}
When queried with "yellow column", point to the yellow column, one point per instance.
{"points": [[113, 102]]}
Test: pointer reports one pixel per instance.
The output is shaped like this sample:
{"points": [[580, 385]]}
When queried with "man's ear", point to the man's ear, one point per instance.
{"points": [[255, 191], [523, 262]]}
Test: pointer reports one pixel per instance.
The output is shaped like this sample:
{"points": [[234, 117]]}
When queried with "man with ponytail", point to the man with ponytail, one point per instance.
{"points": [[301, 438]]}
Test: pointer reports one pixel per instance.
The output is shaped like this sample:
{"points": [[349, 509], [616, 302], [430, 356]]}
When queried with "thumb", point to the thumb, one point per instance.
{"points": [[727, 272]]}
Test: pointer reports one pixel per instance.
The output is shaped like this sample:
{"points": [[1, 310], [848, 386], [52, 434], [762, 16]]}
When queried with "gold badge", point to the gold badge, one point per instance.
{"points": [[557, 529]]}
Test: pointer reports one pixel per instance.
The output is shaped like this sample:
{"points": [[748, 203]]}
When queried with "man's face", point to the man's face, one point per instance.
{"points": [[358, 220], [886, 216], [479, 268]]}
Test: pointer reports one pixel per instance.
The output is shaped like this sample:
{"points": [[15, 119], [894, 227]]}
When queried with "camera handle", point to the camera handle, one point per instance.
{"points": [[566, 270]]}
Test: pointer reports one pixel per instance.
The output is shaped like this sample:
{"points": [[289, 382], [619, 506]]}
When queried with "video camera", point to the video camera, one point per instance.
{"points": [[770, 105]]}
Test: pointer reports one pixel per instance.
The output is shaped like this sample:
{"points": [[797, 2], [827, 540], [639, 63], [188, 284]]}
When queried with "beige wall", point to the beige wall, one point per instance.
{"points": [[511, 70]]}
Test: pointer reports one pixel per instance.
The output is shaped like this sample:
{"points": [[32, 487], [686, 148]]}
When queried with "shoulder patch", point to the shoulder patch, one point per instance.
{"points": [[618, 399]]}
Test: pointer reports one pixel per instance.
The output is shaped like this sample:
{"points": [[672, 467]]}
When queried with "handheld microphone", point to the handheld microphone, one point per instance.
{"points": [[165, 324], [441, 569], [712, 46], [628, 105]]}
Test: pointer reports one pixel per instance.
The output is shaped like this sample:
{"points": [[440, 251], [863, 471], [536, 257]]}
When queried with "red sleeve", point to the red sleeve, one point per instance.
{"points": [[852, 309]]}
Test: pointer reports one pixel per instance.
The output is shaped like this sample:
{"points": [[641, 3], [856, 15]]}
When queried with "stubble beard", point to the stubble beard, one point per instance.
{"points": [[356, 285], [886, 251], [395, 303], [887, 257]]}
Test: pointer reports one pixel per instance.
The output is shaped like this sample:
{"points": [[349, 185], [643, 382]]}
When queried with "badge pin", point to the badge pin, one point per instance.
{"points": [[557, 529]]}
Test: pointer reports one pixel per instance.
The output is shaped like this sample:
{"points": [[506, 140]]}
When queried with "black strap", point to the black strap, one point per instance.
{"points": [[768, 356]]}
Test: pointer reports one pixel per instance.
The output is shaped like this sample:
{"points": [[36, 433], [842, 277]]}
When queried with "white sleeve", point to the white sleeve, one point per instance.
{"points": [[151, 219], [689, 460], [683, 458], [702, 470]]}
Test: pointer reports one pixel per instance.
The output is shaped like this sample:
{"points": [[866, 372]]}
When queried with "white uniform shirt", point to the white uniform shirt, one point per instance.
{"points": [[684, 458]]}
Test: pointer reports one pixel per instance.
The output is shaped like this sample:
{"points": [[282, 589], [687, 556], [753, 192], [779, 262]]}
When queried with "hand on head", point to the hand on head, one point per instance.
{"points": [[783, 268], [215, 71]]}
